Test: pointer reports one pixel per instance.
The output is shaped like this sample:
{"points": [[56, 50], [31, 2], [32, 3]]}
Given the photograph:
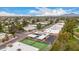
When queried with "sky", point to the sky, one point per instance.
{"points": [[37, 11]]}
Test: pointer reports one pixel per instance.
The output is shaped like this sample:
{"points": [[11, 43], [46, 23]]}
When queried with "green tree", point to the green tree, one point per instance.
{"points": [[33, 21], [51, 21], [24, 23], [39, 26], [1, 28], [62, 41], [12, 29], [65, 36], [69, 26], [19, 26]]}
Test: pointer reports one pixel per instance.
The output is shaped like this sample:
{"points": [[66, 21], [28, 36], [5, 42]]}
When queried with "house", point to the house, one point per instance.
{"points": [[29, 27], [32, 35], [3, 37], [38, 36]]}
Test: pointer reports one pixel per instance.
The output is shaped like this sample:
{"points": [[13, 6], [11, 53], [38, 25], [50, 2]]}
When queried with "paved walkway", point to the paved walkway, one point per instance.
{"points": [[76, 37]]}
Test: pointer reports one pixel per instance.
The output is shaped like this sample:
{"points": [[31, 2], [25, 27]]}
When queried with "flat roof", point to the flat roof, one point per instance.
{"points": [[29, 27], [42, 36], [38, 36], [19, 45], [55, 28], [32, 35]]}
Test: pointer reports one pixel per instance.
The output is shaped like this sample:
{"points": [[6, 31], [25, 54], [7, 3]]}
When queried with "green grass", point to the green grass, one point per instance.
{"points": [[77, 30], [72, 45], [40, 45], [34, 43]]}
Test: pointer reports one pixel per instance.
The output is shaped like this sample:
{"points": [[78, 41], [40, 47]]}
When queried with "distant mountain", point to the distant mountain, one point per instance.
{"points": [[71, 14]]}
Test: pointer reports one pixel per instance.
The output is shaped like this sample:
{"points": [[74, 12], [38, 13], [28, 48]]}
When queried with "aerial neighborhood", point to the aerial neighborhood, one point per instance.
{"points": [[46, 29], [37, 33]]}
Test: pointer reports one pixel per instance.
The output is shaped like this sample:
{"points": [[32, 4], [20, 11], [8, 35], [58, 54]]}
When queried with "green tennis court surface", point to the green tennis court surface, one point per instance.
{"points": [[34, 43], [28, 41], [40, 45]]}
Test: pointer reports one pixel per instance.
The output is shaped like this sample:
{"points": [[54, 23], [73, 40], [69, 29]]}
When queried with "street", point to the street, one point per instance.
{"points": [[18, 37]]}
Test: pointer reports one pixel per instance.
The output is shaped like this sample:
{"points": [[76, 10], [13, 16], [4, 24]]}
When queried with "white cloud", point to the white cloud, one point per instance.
{"points": [[3, 13], [41, 11], [48, 12], [6, 14]]}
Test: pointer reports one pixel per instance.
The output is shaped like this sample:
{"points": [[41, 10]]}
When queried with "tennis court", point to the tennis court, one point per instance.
{"points": [[28, 41], [34, 43], [40, 45]]}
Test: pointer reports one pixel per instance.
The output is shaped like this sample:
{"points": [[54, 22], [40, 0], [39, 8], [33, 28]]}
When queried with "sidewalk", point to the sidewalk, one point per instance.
{"points": [[76, 37]]}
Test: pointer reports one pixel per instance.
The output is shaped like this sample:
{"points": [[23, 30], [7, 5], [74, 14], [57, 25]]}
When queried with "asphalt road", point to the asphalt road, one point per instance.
{"points": [[20, 36]]}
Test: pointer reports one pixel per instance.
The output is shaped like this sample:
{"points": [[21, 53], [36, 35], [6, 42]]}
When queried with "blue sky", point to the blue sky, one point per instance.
{"points": [[37, 11]]}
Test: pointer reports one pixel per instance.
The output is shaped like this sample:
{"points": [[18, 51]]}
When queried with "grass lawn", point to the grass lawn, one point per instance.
{"points": [[34, 43], [77, 30], [72, 45]]}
